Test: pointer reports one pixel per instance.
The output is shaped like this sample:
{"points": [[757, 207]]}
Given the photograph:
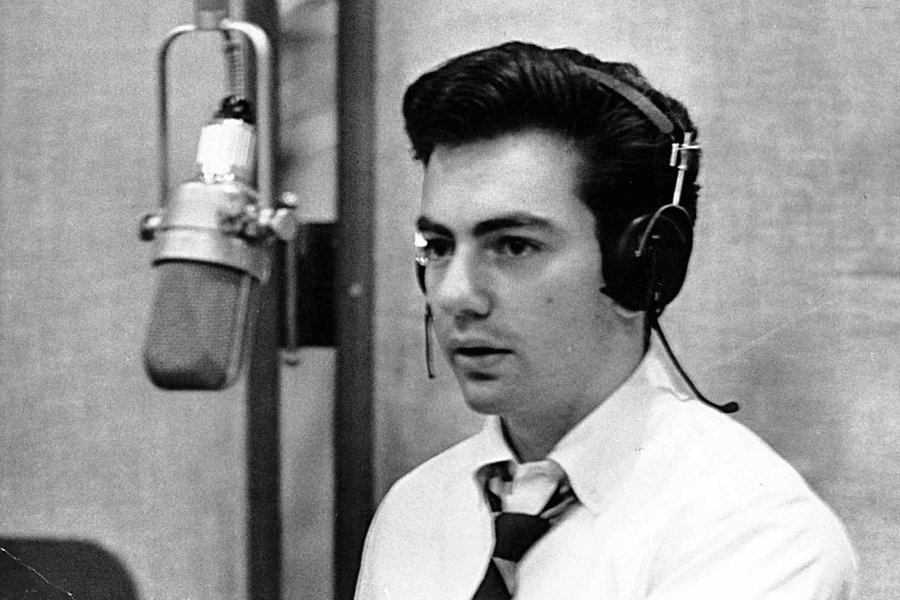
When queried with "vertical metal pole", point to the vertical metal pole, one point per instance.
{"points": [[264, 524], [208, 13], [354, 389]]}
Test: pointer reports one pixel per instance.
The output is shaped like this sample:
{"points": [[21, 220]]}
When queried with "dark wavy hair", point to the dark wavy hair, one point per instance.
{"points": [[518, 86]]}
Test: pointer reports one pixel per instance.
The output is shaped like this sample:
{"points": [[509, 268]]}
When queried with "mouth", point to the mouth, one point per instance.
{"points": [[478, 351], [479, 358]]}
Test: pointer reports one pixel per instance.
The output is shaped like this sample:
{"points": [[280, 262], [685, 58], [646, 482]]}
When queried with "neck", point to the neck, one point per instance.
{"points": [[533, 437]]}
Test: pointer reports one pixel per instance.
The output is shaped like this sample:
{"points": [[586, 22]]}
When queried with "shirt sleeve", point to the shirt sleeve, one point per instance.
{"points": [[789, 549], [367, 586]]}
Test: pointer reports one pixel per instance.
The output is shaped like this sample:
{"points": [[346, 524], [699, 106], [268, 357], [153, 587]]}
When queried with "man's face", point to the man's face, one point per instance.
{"points": [[514, 277]]}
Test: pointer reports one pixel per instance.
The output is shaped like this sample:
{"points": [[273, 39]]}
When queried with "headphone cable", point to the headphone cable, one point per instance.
{"points": [[727, 408]]}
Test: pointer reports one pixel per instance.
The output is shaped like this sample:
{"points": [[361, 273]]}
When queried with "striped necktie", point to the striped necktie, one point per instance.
{"points": [[515, 532]]}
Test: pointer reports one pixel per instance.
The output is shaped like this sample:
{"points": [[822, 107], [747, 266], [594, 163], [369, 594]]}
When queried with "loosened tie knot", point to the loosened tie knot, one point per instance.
{"points": [[516, 532]]}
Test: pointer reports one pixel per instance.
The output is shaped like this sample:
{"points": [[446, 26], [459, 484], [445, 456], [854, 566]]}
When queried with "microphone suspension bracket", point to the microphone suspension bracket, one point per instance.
{"points": [[212, 15], [220, 218]]}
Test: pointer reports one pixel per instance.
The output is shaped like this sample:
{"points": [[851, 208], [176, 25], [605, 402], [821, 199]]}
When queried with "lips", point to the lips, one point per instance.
{"points": [[476, 351], [471, 346], [476, 355]]}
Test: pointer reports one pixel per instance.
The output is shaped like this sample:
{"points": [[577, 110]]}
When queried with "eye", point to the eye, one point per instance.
{"points": [[432, 250], [515, 247]]}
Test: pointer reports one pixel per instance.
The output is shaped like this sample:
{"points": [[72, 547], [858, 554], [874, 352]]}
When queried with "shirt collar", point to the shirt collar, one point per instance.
{"points": [[600, 451]]}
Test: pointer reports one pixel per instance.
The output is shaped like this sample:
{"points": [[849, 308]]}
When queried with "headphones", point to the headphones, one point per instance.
{"points": [[648, 265]]}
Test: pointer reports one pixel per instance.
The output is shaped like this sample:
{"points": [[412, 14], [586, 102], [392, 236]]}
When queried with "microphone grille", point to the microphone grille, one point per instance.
{"points": [[199, 320]]}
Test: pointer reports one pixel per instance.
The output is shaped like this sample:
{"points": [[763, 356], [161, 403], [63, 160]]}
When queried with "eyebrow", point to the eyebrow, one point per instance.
{"points": [[505, 221]]}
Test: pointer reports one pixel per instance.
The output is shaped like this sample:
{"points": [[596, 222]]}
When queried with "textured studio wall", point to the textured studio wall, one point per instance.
{"points": [[791, 306], [94, 461], [90, 452]]}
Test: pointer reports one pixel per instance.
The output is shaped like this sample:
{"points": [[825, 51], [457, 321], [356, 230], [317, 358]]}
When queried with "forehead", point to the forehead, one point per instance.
{"points": [[527, 173]]}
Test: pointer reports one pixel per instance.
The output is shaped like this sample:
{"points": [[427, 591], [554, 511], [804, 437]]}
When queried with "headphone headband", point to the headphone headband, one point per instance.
{"points": [[680, 148], [636, 98]]}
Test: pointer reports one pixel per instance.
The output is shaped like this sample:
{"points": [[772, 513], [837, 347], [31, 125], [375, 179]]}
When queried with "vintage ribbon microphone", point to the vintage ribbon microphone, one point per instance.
{"points": [[215, 240], [215, 234]]}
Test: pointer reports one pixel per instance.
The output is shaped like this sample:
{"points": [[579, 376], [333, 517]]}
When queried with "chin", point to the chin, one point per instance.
{"points": [[484, 407], [485, 401]]}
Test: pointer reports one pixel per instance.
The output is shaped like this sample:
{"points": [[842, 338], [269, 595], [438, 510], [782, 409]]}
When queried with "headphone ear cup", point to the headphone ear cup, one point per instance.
{"points": [[624, 271], [649, 264], [672, 246]]}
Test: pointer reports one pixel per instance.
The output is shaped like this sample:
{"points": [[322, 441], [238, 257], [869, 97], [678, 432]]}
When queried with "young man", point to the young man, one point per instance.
{"points": [[558, 199]]}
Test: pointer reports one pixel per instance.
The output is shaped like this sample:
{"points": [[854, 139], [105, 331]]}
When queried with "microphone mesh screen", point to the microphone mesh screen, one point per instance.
{"points": [[199, 320]]}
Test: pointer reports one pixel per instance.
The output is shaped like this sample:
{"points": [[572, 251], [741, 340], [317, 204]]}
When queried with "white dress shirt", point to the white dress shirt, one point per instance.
{"points": [[676, 501]]}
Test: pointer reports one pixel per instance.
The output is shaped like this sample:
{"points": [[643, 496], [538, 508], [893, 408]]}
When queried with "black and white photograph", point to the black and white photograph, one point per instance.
{"points": [[494, 300]]}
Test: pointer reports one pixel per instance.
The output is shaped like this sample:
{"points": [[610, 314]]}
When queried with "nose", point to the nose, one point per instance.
{"points": [[461, 288]]}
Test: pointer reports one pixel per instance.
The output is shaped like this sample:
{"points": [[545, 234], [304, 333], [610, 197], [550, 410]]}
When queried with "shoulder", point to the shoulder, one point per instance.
{"points": [[713, 447], [433, 508], [744, 513], [431, 484], [445, 469], [727, 469]]}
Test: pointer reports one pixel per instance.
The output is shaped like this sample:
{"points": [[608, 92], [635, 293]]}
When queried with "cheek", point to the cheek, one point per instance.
{"points": [[572, 294], [559, 314], [440, 325], [570, 314]]}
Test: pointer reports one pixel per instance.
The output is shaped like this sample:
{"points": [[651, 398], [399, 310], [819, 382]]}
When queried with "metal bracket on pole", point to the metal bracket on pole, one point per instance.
{"points": [[209, 13]]}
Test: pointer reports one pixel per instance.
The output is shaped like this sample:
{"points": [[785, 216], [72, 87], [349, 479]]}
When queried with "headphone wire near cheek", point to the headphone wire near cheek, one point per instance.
{"points": [[429, 352]]}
